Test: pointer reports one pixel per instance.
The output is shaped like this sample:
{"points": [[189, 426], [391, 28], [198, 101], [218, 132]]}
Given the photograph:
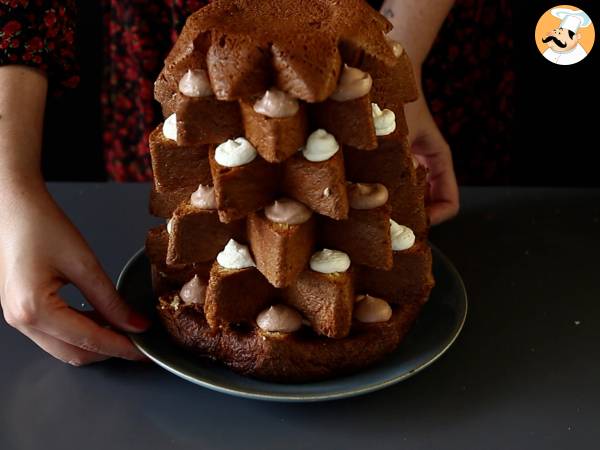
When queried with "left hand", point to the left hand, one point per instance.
{"points": [[431, 149]]}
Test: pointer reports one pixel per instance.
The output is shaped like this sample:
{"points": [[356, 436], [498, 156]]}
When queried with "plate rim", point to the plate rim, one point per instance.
{"points": [[306, 398]]}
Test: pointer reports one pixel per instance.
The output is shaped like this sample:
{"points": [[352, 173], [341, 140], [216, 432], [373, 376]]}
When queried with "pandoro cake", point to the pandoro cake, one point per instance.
{"points": [[295, 247]]}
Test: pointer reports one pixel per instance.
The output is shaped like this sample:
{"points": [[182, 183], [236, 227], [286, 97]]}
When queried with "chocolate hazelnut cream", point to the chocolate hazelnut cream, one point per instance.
{"points": [[276, 104], [195, 83], [367, 196], [370, 309], [353, 84], [288, 211], [204, 198], [194, 291], [280, 319]]}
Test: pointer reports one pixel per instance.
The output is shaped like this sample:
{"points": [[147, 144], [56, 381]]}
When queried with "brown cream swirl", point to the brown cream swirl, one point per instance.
{"points": [[353, 84], [195, 83], [367, 196], [279, 319], [288, 211], [276, 104], [194, 291], [204, 198], [372, 309]]}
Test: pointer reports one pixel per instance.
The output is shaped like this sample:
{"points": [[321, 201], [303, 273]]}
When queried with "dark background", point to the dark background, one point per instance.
{"points": [[546, 138]]}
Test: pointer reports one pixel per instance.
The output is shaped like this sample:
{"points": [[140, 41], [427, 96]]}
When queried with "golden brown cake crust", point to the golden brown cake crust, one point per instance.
{"points": [[275, 139], [281, 251], [235, 296], [176, 167], [241, 41], [319, 185], [351, 122], [326, 300], [364, 236], [198, 235], [290, 358]]}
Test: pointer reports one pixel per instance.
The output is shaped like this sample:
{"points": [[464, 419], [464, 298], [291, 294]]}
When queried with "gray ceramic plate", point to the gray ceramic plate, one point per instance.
{"points": [[434, 332]]}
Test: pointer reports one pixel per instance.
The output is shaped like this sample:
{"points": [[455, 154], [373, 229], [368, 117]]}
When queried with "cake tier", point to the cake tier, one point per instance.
{"points": [[285, 357], [242, 56]]}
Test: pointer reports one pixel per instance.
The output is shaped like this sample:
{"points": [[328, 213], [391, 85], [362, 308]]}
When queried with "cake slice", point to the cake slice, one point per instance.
{"points": [[408, 203], [166, 277], [175, 166], [281, 249], [243, 188], [236, 296], [324, 293], [238, 66], [390, 164], [198, 236], [396, 80], [351, 122], [220, 120], [320, 185], [364, 236], [163, 204], [236, 291], [275, 138], [409, 281]]}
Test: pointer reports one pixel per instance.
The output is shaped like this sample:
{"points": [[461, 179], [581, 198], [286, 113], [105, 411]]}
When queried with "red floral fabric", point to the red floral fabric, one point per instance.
{"points": [[41, 34], [140, 34]]}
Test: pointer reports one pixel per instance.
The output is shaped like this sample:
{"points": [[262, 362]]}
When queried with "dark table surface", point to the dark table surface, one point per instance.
{"points": [[524, 374]]}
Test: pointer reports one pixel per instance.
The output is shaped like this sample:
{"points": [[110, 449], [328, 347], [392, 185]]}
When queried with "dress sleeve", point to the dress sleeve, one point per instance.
{"points": [[40, 34]]}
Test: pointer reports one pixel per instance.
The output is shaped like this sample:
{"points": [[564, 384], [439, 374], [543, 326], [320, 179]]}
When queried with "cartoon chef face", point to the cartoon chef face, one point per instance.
{"points": [[561, 40]]}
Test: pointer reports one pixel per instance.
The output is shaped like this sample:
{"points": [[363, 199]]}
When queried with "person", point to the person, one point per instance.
{"points": [[40, 249]]}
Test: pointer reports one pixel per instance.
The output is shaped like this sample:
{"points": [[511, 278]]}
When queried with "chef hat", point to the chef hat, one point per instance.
{"points": [[571, 19]]}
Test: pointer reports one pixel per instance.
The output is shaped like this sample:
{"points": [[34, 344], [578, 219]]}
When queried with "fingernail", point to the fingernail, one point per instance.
{"points": [[139, 322]]}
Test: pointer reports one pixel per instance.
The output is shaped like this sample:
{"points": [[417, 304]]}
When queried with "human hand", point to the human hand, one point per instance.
{"points": [[431, 149], [40, 251]]}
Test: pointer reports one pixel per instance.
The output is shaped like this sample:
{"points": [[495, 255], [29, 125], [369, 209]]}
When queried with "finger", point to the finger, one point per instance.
{"points": [[98, 289], [440, 212], [63, 323], [443, 195], [61, 350], [443, 203]]}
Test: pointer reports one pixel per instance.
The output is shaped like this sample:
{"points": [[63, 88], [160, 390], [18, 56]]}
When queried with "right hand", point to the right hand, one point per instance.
{"points": [[40, 251]]}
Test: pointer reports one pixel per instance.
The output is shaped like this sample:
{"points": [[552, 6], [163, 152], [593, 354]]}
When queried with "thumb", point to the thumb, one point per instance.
{"points": [[100, 292]]}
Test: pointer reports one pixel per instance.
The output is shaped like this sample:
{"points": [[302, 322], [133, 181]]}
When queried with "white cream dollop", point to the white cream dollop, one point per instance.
{"points": [[370, 309], [403, 237], [235, 152], [384, 121], [170, 226], [330, 261], [194, 291], [320, 146], [195, 83], [204, 198], [170, 127], [280, 319], [276, 104], [353, 84], [235, 256]]}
